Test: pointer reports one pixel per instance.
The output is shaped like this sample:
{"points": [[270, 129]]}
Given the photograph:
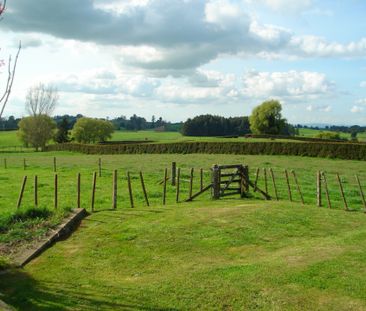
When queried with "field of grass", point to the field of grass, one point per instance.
{"points": [[227, 255], [311, 133], [230, 255]]}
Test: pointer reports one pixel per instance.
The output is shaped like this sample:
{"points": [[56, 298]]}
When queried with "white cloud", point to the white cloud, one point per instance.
{"points": [[313, 46], [293, 85], [361, 101], [321, 108], [285, 5], [357, 109]]}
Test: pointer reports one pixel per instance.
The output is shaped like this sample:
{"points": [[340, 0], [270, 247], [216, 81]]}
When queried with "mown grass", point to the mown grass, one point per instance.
{"points": [[227, 255]]}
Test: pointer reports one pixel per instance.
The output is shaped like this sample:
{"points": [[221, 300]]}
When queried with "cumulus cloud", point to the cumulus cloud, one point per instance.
{"points": [[294, 85], [172, 37]]}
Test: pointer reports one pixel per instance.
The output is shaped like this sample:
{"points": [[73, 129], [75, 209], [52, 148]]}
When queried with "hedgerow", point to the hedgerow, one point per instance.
{"points": [[311, 149]]}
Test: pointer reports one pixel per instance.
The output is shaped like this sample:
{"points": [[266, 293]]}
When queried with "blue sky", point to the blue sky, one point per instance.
{"points": [[180, 58]]}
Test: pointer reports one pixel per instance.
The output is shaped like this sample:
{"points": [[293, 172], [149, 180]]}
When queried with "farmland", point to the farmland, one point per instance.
{"points": [[228, 254]]}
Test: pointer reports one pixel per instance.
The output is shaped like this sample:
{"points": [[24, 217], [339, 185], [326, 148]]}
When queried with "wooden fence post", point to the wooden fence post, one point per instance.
{"points": [[201, 179], [21, 191], [78, 190], [288, 186], [5, 164], [93, 191], [174, 172], [24, 164], [56, 191], [319, 189], [114, 191], [178, 186], [274, 183], [144, 189], [35, 191], [215, 182], [191, 183], [361, 192], [326, 189], [130, 189], [265, 180], [164, 185], [54, 165], [298, 186], [342, 193], [100, 167], [256, 180]]}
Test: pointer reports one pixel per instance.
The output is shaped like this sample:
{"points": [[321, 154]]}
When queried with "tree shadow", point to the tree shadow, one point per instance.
{"points": [[21, 291]]}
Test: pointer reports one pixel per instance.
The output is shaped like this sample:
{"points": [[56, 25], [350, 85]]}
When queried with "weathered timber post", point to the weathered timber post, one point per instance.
{"points": [[24, 164], [100, 167], [326, 189], [361, 192], [5, 164], [130, 189], [274, 183], [56, 191], [178, 186], [21, 191], [78, 190], [265, 180], [256, 179], [54, 165], [244, 178], [215, 194], [144, 189], [164, 185], [93, 191], [298, 186], [191, 183], [35, 191], [114, 191], [201, 179], [288, 186], [319, 189], [342, 193], [174, 172]]}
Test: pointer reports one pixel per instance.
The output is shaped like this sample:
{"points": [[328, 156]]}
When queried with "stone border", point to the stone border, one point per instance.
{"points": [[61, 232]]}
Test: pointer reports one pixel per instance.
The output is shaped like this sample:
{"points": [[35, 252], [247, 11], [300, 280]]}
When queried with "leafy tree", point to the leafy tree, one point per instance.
{"points": [[267, 119], [36, 131], [89, 130], [328, 135], [62, 135], [209, 125]]}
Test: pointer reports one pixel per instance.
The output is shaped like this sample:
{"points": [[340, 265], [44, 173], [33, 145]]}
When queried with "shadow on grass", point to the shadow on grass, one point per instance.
{"points": [[21, 291]]}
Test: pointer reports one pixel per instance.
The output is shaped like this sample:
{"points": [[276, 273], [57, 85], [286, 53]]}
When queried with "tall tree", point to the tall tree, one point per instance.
{"points": [[41, 99], [267, 119], [36, 131], [4, 97], [62, 134]]}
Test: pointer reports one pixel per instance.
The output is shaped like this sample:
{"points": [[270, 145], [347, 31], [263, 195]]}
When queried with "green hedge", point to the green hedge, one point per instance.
{"points": [[310, 149]]}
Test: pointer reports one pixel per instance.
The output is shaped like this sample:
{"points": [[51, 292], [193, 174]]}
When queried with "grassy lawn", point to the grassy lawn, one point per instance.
{"points": [[227, 255]]}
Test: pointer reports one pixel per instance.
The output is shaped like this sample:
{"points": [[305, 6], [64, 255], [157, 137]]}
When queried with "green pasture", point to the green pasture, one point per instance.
{"points": [[231, 254], [227, 255]]}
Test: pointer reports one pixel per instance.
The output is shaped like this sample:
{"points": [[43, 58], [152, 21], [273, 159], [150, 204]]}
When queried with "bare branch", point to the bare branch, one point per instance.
{"points": [[11, 74], [41, 100], [2, 7]]}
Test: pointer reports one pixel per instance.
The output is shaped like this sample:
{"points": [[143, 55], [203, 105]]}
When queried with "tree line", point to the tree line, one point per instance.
{"points": [[265, 119]]}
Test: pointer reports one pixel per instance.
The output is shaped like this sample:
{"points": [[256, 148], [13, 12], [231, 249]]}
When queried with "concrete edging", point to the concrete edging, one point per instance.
{"points": [[61, 232]]}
